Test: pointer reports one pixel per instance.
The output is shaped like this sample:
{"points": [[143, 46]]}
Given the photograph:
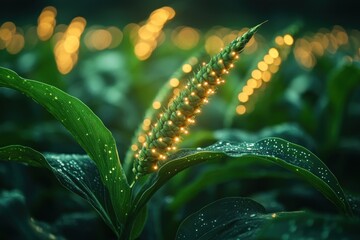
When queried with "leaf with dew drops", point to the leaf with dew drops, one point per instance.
{"points": [[223, 219], [86, 128], [77, 173], [281, 152], [243, 218]]}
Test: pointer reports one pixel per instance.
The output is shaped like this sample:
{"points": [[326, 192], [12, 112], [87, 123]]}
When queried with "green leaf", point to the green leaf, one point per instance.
{"points": [[288, 155], [87, 129], [227, 218], [243, 218], [77, 173], [247, 168], [342, 83]]}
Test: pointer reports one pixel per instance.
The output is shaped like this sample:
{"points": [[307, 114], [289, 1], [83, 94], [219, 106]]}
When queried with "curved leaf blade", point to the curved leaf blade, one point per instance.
{"points": [[77, 173], [223, 219], [87, 129], [243, 218], [288, 155]]}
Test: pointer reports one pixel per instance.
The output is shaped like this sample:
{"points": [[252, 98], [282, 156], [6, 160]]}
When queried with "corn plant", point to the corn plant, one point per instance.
{"points": [[120, 190]]}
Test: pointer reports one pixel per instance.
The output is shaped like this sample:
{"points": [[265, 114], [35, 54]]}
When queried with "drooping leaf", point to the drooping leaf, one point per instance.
{"points": [[75, 172], [87, 129], [286, 154], [243, 218]]}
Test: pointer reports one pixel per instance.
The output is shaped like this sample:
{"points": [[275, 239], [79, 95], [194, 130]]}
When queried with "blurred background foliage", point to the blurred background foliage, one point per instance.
{"points": [[297, 79]]}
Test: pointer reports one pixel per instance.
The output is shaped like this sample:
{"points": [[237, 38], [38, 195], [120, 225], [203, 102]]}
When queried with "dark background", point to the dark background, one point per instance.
{"points": [[201, 14]]}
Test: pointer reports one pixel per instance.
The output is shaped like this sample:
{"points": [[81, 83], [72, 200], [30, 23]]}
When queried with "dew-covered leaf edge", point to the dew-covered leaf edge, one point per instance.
{"points": [[30, 157], [185, 158], [250, 220], [86, 128]]}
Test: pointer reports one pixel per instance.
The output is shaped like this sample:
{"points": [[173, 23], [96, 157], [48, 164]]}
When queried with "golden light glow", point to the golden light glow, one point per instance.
{"points": [[146, 122], [243, 97], [156, 105], [46, 23], [266, 76], [273, 52], [150, 34], [141, 139], [262, 66], [252, 83], [17, 43], [11, 38], [134, 147], [67, 45], [98, 39], [213, 44], [268, 59], [265, 70], [185, 37], [240, 109], [279, 40], [288, 39], [186, 68], [256, 74], [174, 82]]}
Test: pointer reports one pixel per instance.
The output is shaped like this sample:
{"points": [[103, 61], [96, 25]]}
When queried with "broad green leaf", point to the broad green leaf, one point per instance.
{"points": [[87, 129], [247, 168], [243, 218], [288, 155], [227, 218], [75, 172]]}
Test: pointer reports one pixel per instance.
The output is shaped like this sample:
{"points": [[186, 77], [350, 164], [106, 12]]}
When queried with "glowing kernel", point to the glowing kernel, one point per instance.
{"points": [[147, 122], [174, 82], [156, 105], [186, 68], [153, 150], [141, 139], [134, 147], [177, 139], [170, 122], [155, 167]]}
